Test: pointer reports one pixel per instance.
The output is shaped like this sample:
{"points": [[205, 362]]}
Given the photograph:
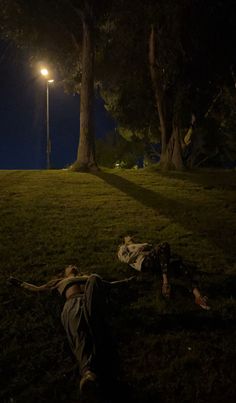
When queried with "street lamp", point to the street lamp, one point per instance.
{"points": [[45, 74]]}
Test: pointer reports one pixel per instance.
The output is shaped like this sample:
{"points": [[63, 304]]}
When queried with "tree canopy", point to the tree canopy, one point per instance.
{"points": [[183, 75]]}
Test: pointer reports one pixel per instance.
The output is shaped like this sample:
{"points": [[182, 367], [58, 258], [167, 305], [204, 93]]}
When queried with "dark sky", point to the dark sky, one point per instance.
{"points": [[23, 116]]}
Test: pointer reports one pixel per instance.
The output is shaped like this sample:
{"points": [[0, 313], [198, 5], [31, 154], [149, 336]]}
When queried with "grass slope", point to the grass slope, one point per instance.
{"points": [[171, 351]]}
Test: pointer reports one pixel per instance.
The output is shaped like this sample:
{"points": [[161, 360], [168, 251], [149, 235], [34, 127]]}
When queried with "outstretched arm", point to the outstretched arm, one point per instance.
{"points": [[118, 282], [31, 287]]}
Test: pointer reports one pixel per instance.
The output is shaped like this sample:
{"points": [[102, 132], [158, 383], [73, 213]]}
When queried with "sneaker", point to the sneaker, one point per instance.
{"points": [[202, 302]]}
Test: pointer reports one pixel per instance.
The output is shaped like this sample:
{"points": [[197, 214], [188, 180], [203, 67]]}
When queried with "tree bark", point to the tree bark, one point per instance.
{"points": [[86, 150], [172, 159], [171, 155], [158, 90]]}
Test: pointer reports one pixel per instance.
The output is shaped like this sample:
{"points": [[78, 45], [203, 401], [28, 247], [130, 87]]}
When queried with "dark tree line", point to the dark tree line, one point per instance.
{"points": [[165, 68], [177, 59]]}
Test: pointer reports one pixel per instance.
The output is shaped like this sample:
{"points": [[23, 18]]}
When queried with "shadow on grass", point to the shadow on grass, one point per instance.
{"points": [[177, 211], [221, 180]]}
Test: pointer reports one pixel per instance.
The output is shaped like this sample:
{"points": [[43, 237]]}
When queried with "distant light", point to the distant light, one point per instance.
{"points": [[44, 72], [50, 81]]}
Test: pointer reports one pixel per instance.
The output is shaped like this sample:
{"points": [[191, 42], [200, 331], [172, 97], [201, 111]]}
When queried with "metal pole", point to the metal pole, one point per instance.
{"points": [[48, 132]]}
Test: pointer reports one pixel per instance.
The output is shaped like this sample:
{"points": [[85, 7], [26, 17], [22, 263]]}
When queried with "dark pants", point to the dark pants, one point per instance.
{"points": [[159, 260], [83, 318]]}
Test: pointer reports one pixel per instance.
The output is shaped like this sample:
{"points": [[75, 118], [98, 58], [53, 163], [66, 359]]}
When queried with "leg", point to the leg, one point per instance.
{"points": [[192, 285], [95, 303], [163, 252], [156, 261], [166, 289], [95, 295], [95, 308], [96, 314], [79, 334]]}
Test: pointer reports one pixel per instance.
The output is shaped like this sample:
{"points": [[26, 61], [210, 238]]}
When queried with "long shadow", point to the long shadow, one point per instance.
{"points": [[219, 180], [174, 210]]}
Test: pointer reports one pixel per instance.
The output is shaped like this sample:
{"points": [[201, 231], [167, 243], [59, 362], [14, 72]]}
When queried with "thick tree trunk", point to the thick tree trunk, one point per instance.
{"points": [[86, 150], [158, 90], [172, 159], [171, 154]]}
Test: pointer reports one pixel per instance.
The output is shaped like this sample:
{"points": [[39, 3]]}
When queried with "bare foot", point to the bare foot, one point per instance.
{"points": [[202, 302]]}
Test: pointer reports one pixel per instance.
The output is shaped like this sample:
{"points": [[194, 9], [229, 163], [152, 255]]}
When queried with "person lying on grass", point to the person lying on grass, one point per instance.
{"points": [[83, 318], [145, 257]]}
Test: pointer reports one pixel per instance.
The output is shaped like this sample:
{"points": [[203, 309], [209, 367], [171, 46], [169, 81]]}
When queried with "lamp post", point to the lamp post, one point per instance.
{"points": [[45, 74]]}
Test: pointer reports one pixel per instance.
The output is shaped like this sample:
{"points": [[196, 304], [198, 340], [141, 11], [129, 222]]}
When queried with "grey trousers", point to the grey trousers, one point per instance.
{"points": [[83, 319]]}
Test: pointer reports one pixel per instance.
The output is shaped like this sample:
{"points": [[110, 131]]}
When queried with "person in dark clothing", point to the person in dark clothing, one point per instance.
{"points": [[83, 317], [145, 257]]}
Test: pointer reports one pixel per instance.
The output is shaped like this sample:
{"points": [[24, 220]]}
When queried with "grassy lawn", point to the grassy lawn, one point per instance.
{"points": [[168, 351]]}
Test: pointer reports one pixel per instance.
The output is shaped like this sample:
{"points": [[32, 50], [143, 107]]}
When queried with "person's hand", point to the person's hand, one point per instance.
{"points": [[14, 281]]}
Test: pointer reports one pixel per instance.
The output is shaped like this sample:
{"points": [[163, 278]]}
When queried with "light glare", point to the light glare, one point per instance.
{"points": [[44, 72]]}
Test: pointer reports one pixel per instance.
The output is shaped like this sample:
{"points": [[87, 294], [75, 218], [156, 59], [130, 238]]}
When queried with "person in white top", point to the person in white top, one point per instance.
{"points": [[83, 318], [145, 257]]}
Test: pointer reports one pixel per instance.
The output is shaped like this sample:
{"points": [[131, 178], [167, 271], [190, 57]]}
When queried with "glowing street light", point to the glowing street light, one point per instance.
{"points": [[45, 73]]}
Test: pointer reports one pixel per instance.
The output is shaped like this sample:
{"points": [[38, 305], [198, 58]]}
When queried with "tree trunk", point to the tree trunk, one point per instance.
{"points": [[158, 90], [86, 150], [172, 159], [171, 154]]}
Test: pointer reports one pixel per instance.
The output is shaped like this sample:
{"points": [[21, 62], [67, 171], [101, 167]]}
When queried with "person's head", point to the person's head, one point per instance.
{"points": [[128, 240], [71, 271]]}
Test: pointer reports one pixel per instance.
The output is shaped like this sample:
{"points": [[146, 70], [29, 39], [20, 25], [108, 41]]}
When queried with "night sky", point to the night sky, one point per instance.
{"points": [[23, 116]]}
